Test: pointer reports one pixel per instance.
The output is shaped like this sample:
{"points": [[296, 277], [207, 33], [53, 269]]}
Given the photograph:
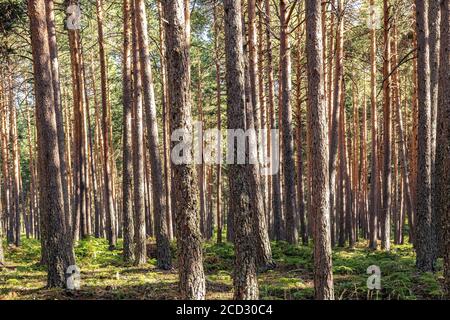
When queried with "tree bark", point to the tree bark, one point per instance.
{"points": [[58, 109], [276, 183], [162, 237], [443, 141], [59, 251], [192, 277], [317, 120], [374, 182], [387, 106], [335, 114], [245, 280], [165, 104], [424, 250], [434, 23], [111, 223], [219, 124], [138, 150], [288, 139], [127, 174], [16, 190]]}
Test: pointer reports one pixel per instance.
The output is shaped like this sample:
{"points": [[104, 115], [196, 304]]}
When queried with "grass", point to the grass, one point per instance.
{"points": [[105, 276]]}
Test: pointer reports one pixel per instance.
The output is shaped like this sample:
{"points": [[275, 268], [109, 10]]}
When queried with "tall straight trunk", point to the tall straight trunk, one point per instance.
{"points": [[356, 178], [415, 126], [162, 237], [209, 206], [201, 166], [442, 200], [276, 183], [253, 70], [33, 210], [16, 190], [264, 251], [299, 138], [149, 217], [6, 188], [127, 174], [374, 186], [288, 135], [324, 53], [402, 149], [244, 280], [387, 106], [86, 202], [347, 179], [434, 22], [341, 201], [58, 108], [165, 104], [334, 130], [96, 159], [111, 223], [330, 58], [190, 257], [219, 124], [263, 110], [317, 121], [93, 178], [395, 189], [78, 152], [138, 151], [253, 63], [363, 207], [424, 250], [59, 251]]}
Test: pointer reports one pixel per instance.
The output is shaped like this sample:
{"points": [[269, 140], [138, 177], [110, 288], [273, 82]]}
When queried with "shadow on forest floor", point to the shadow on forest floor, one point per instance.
{"points": [[105, 276]]}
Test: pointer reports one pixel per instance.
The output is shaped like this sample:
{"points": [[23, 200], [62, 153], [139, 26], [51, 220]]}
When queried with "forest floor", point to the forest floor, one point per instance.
{"points": [[105, 276]]}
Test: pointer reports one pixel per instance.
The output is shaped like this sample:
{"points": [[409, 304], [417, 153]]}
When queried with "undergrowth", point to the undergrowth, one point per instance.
{"points": [[104, 275]]}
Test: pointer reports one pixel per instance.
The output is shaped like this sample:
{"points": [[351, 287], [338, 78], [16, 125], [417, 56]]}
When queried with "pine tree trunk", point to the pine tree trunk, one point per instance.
{"points": [[16, 203], [299, 138], [165, 104], [33, 210], [6, 188], [138, 150], [244, 280], [374, 186], [201, 145], [423, 243], [287, 135], [59, 251], [58, 109], [335, 114], [162, 237], [111, 223], [219, 124], [387, 105], [434, 23], [317, 121], [127, 174], [442, 200], [276, 184], [190, 257]]}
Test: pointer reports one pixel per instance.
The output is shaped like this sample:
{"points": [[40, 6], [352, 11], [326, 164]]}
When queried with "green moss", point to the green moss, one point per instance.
{"points": [[105, 276]]}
